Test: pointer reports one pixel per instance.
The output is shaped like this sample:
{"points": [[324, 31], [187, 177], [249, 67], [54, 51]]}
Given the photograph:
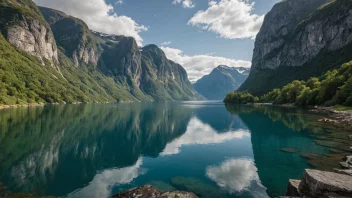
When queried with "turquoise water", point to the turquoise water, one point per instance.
{"points": [[98, 150]]}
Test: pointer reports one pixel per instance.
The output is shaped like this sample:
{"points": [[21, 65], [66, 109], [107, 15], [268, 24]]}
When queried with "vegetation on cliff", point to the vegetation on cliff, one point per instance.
{"points": [[300, 45], [333, 88], [87, 66]]}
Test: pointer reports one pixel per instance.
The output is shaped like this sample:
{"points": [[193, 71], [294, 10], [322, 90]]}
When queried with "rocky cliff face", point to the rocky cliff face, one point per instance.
{"points": [[35, 38], [221, 81], [162, 78], [271, 44], [300, 34], [28, 32], [146, 72], [105, 66], [73, 35]]}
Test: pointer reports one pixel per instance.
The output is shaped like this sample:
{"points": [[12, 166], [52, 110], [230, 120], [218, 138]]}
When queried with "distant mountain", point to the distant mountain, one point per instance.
{"points": [[221, 81], [47, 56], [300, 39]]}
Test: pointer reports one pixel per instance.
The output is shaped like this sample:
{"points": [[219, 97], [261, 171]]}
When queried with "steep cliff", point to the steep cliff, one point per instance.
{"points": [[221, 81], [73, 35], [86, 66], [24, 27], [162, 78], [300, 39], [145, 73]]}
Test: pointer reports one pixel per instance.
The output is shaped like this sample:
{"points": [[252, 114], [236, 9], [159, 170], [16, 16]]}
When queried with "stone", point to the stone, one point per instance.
{"points": [[316, 183], [287, 197], [177, 194], [331, 195], [345, 165], [146, 191], [348, 163], [149, 191], [292, 188], [289, 150], [346, 172], [35, 38]]}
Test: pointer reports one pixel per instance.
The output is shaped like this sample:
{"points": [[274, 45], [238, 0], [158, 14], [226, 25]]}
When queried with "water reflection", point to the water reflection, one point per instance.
{"points": [[199, 133], [98, 150], [236, 176], [101, 184]]}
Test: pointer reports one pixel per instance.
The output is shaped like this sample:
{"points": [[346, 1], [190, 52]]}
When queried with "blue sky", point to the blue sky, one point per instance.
{"points": [[168, 22], [200, 34]]}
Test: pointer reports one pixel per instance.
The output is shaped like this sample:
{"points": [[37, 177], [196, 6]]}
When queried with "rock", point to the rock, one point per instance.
{"points": [[294, 34], [287, 197], [35, 38], [316, 183], [331, 195], [292, 188], [177, 194], [327, 120], [149, 191], [346, 172], [289, 150], [348, 163], [349, 160]]}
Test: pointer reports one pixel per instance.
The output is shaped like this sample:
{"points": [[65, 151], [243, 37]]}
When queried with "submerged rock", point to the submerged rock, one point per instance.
{"points": [[292, 188], [197, 186], [316, 183], [149, 191], [289, 150]]}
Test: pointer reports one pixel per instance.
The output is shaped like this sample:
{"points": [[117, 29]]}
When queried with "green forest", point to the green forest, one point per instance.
{"points": [[333, 88]]}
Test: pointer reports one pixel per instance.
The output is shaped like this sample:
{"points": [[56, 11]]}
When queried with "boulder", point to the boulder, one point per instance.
{"points": [[348, 163], [177, 194], [316, 183], [149, 191], [344, 171], [292, 188]]}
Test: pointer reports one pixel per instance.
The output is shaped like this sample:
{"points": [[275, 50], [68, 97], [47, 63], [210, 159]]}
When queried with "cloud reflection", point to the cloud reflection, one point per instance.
{"points": [[102, 183], [237, 176], [200, 133]]}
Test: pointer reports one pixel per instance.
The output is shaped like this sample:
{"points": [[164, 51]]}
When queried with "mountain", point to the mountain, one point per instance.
{"points": [[300, 39], [221, 81], [48, 56]]}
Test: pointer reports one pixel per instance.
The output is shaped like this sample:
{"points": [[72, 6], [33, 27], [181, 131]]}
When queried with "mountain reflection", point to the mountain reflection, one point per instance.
{"points": [[98, 149], [62, 147], [274, 128]]}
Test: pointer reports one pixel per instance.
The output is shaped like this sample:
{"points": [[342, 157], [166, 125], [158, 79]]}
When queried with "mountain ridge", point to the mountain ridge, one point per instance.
{"points": [[222, 80], [92, 66]]}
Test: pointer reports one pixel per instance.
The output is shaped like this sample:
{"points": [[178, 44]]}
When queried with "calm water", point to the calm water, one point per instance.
{"points": [[204, 147]]}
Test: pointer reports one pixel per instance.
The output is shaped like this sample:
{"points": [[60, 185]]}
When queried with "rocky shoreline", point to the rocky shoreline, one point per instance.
{"points": [[337, 117], [317, 183], [149, 191]]}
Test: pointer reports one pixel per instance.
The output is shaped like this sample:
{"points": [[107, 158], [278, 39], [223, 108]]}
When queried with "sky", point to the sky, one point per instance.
{"points": [[198, 34]]}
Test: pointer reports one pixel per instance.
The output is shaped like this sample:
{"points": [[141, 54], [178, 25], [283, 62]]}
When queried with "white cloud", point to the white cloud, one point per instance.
{"points": [[185, 3], [102, 183], [233, 19], [199, 133], [98, 15], [165, 43], [236, 176], [211, 3], [119, 2], [199, 65]]}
